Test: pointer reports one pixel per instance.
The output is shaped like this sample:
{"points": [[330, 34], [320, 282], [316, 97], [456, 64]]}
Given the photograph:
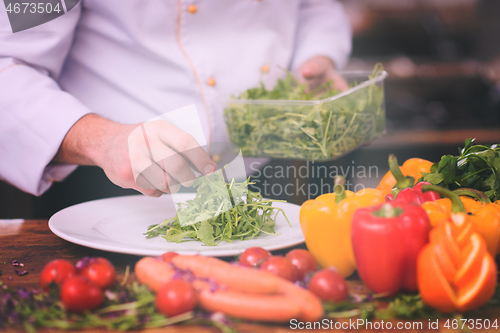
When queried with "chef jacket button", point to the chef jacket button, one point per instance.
{"points": [[211, 81], [264, 69], [192, 9], [216, 158]]}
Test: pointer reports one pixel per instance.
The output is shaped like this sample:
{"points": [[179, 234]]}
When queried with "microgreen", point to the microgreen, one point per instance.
{"points": [[131, 307], [244, 219], [305, 130], [409, 307]]}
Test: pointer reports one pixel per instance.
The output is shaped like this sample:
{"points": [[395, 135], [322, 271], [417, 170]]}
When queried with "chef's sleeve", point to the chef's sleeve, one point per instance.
{"points": [[323, 29], [35, 114]]}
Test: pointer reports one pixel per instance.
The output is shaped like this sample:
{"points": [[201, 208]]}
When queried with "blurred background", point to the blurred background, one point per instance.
{"points": [[443, 60]]}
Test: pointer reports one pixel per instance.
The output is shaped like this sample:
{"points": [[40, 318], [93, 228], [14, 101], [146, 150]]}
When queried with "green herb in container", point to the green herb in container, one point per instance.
{"points": [[290, 122]]}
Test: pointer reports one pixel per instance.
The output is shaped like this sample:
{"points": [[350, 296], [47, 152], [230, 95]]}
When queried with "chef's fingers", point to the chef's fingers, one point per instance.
{"points": [[172, 161], [338, 81], [175, 167], [146, 172], [313, 69], [318, 70], [150, 175], [156, 177], [186, 145], [149, 193]]}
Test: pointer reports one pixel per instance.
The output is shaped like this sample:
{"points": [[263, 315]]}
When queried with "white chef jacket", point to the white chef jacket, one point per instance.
{"points": [[131, 60]]}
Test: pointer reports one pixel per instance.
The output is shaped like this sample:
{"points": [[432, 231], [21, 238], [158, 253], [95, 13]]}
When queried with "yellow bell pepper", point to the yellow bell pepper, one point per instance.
{"points": [[326, 224]]}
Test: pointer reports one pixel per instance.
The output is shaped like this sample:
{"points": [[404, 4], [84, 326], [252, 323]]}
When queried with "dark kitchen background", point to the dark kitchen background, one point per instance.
{"points": [[443, 60]]}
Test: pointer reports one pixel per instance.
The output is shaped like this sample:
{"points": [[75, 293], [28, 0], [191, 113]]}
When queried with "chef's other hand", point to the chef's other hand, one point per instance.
{"points": [[152, 157], [319, 70]]}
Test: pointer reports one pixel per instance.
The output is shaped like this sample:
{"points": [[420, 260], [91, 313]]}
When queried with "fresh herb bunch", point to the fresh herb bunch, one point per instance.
{"points": [[213, 221], [407, 307], [308, 129], [476, 167], [126, 307]]}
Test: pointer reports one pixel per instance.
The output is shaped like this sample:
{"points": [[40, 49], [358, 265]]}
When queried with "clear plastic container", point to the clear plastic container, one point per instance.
{"points": [[317, 130]]}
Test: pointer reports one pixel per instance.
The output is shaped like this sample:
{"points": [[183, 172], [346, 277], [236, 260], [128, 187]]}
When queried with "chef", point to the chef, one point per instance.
{"points": [[73, 90]]}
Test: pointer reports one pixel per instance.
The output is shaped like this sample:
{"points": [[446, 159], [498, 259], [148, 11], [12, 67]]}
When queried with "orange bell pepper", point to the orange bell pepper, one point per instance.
{"points": [[455, 271], [326, 224], [484, 214], [411, 168]]}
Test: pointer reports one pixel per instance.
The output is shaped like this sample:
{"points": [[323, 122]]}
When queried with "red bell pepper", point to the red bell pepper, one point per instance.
{"points": [[414, 195], [386, 240], [404, 191]]}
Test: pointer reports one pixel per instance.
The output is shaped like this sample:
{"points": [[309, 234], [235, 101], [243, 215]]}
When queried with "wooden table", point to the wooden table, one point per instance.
{"points": [[34, 245]]}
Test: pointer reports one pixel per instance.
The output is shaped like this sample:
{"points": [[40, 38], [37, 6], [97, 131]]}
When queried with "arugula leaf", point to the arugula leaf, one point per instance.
{"points": [[305, 130], [206, 233], [176, 235], [218, 213]]}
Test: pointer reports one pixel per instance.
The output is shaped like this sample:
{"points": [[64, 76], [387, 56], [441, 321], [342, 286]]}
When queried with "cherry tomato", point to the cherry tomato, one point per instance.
{"points": [[328, 285], [167, 257], [98, 270], [78, 294], [303, 260], [281, 267], [176, 297], [253, 256], [56, 271]]}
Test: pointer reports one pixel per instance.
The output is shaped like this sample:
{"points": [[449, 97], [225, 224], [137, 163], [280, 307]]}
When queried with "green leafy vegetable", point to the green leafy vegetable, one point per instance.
{"points": [[476, 167], [125, 307], [212, 222], [314, 130], [409, 307]]}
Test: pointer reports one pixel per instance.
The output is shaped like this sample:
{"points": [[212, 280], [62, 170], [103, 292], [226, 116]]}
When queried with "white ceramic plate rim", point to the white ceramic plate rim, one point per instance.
{"points": [[80, 224]]}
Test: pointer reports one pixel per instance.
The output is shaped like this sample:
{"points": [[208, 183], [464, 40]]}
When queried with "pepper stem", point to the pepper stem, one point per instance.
{"points": [[456, 204], [339, 187], [470, 192], [388, 211], [402, 180]]}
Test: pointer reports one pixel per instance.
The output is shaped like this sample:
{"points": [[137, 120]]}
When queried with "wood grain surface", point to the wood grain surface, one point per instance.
{"points": [[33, 244]]}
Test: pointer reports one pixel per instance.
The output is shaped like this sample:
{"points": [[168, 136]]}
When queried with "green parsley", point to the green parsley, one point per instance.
{"points": [[476, 167]]}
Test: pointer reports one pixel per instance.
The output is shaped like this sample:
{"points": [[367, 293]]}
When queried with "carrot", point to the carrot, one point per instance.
{"points": [[311, 307], [273, 308], [153, 273], [238, 278]]}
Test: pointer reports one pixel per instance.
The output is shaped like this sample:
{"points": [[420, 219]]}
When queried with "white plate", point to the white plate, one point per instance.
{"points": [[118, 224]]}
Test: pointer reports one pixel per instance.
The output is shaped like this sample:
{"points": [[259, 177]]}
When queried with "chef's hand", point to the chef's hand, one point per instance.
{"points": [[136, 156], [319, 70]]}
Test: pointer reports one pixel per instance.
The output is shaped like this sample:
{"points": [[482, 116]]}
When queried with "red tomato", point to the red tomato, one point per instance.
{"points": [[98, 270], [167, 257], [176, 297], [303, 260], [328, 285], [78, 294], [253, 256], [56, 271], [281, 267]]}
